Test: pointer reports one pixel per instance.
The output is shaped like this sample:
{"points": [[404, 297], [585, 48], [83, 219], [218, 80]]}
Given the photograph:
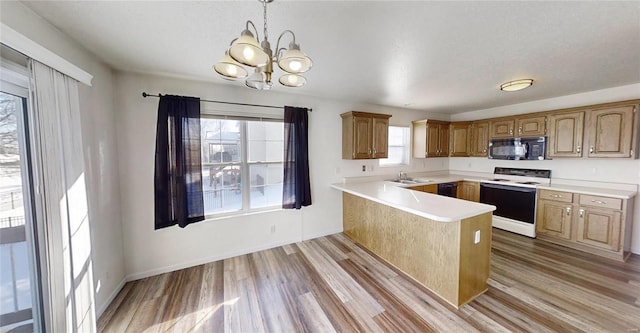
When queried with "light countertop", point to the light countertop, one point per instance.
{"points": [[431, 206], [620, 194]]}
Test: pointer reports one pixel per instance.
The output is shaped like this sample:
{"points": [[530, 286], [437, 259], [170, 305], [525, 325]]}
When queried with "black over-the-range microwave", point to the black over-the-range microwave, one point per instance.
{"points": [[518, 148]]}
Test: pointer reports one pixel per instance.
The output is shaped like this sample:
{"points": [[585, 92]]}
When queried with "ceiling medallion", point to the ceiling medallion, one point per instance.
{"points": [[246, 51]]}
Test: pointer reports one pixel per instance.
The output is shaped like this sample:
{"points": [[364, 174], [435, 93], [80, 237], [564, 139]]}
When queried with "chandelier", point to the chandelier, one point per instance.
{"points": [[245, 50]]}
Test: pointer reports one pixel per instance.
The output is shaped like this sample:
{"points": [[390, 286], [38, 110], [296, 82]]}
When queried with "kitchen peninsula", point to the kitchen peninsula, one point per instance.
{"points": [[443, 243]]}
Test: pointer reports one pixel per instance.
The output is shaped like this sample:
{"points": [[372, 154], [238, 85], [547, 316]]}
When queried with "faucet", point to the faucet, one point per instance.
{"points": [[402, 175]]}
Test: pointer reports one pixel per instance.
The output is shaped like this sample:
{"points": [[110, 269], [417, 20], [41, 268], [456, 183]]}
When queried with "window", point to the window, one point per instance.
{"points": [[398, 147], [242, 165]]}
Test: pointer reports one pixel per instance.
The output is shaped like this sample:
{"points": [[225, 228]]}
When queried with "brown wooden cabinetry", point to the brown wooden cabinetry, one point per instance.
{"points": [[521, 126], [554, 213], [364, 135], [460, 139], [565, 134], [479, 142], [610, 131], [431, 188], [469, 191], [430, 138], [596, 224]]}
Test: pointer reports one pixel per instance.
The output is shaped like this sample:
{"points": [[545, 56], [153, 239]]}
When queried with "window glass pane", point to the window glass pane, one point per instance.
{"points": [[265, 141], [266, 184], [221, 177], [220, 140], [399, 146], [222, 186]]}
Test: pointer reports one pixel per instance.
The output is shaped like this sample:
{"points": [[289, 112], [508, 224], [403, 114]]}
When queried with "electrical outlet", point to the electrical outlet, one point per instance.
{"points": [[364, 168], [273, 228], [476, 237]]}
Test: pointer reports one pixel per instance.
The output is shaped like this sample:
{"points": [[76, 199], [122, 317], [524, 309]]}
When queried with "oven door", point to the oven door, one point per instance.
{"points": [[517, 203]]}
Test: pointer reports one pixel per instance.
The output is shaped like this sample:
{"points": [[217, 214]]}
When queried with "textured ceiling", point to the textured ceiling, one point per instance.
{"points": [[444, 57]]}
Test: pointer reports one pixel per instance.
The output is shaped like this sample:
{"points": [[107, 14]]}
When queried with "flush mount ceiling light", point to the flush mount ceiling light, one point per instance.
{"points": [[246, 51], [516, 85]]}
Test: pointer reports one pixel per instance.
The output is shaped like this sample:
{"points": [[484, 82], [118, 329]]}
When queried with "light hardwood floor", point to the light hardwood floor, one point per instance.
{"points": [[330, 284]]}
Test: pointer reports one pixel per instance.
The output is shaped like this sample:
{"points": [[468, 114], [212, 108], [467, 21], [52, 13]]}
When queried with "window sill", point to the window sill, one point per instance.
{"points": [[230, 215]]}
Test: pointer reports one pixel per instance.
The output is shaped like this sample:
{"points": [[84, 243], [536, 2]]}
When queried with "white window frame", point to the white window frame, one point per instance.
{"points": [[245, 186], [407, 146]]}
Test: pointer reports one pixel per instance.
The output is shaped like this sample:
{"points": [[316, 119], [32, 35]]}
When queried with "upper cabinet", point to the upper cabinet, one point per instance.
{"points": [[430, 138], [565, 134], [610, 132], [521, 126], [364, 135], [459, 139], [479, 142]]}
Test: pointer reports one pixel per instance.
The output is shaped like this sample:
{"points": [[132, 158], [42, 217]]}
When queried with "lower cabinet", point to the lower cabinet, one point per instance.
{"points": [[554, 218], [596, 224], [469, 191], [431, 188], [599, 228]]}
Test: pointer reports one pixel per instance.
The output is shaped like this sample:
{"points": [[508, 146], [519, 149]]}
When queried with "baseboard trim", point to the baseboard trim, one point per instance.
{"points": [[322, 234], [100, 309]]}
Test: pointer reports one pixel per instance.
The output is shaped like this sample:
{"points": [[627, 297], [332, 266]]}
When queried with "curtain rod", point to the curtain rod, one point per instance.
{"points": [[145, 95]]}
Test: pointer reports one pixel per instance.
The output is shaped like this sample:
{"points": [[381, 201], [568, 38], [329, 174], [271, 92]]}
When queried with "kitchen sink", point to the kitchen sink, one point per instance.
{"points": [[410, 181]]}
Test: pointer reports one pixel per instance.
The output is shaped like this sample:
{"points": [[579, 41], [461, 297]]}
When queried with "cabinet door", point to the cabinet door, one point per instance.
{"points": [[610, 132], [433, 140], [532, 126], [599, 228], [431, 188], [443, 140], [479, 138], [380, 137], [362, 137], [565, 134], [460, 133], [469, 191], [554, 219], [502, 128]]}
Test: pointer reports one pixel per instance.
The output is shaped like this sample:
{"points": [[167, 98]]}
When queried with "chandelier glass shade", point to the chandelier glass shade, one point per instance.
{"points": [[245, 50]]}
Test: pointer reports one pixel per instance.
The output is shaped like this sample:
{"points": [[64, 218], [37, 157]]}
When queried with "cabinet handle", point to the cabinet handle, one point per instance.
{"points": [[568, 211], [369, 151], [591, 149], [578, 149], [581, 212], [374, 151], [520, 130], [599, 202], [511, 131], [556, 196]]}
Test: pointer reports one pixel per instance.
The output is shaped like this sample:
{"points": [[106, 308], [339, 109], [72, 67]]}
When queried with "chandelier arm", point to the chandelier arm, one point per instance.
{"points": [[254, 29], [278, 49]]}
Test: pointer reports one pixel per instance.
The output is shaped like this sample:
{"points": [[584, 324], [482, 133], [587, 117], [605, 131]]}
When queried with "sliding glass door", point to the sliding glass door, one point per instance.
{"points": [[19, 286]]}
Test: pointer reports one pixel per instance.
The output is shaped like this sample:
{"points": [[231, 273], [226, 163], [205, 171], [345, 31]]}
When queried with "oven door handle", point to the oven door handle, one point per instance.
{"points": [[508, 187]]}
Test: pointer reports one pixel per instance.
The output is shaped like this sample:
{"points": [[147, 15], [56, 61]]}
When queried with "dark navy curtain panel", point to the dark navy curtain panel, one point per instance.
{"points": [[296, 188], [178, 172]]}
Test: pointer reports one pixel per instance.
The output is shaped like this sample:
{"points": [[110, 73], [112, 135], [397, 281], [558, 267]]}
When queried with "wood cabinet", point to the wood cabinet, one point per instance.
{"points": [[364, 135], [459, 145], [565, 134], [610, 132], [554, 213], [479, 141], [469, 191], [521, 126], [592, 223], [431, 188], [430, 138]]}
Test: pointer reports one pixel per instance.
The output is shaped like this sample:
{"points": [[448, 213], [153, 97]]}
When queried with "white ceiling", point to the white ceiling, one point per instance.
{"points": [[444, 57]]}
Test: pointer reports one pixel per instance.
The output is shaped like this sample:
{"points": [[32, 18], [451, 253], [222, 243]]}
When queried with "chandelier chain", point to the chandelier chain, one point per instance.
{"points": [[264, 6]]}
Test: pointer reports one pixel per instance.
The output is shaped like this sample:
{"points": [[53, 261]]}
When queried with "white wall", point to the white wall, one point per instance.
{"points": [[608, 170], [100, 151], [149, 252]]}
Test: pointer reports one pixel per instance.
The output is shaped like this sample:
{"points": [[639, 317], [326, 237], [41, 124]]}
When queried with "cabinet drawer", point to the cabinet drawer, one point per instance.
{"points": [[603, 202], [555, 196]]}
